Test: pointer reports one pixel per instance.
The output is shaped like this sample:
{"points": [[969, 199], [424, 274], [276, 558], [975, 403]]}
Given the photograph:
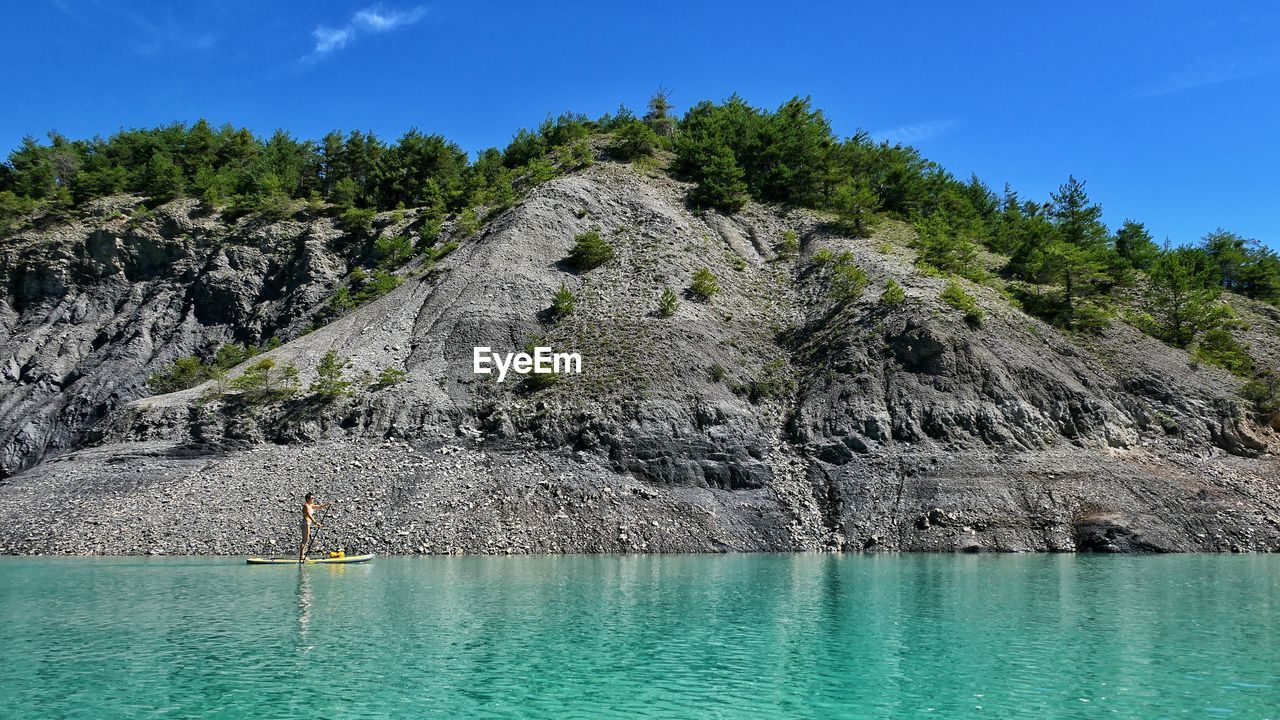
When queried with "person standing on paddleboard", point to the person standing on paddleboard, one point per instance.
{"points": [[309, 508]]}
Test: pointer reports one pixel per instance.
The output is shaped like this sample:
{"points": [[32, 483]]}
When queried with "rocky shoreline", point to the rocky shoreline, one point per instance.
{"points": [[459, 496]]}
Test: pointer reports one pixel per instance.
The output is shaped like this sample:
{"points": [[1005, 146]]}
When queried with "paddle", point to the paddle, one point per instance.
{"points": [[314, 535]]}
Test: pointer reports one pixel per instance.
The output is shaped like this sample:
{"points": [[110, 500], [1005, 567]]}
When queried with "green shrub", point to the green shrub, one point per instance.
{"points": [[1091, 315], [823, 257], [789, 245], [533, 382], [893, 294], [704, 284], [775, 381], [1218, 347], [362, 287], [141, 214], [189, 371], [428, 234], [392, 252], [581, 155], [590, 251], [264, 381], [379, 283], [468, 223], [956, 297], [387, 377], [847, 279], [633, 140], [540, 170], [274, 207], [342, 301], [232, 354], [1168, 423], [438, 253], [563, 302], [329, 384], [185, 372], [668, 303], [357, 220], [717, 372], [1263, 392]]}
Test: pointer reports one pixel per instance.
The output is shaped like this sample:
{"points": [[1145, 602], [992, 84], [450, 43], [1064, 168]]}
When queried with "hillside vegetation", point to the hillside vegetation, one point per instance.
{"points": [[789, 341], [1056, 257]]}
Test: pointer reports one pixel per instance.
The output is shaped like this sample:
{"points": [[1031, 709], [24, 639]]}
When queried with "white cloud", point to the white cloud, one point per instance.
{"points": [[916, 132], [372, 19], [329, 39], [377, 20], [1209, 71]]}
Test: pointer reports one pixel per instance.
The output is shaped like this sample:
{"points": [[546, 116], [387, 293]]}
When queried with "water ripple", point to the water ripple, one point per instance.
{"points": [[773, 636]]}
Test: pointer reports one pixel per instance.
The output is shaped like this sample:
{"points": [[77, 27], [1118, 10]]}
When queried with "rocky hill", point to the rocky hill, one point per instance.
{"points": [[768, 417]]}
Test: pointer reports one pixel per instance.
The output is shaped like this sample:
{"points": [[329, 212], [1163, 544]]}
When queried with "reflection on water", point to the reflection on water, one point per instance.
{"points": [[685, 636], [304, 607]]}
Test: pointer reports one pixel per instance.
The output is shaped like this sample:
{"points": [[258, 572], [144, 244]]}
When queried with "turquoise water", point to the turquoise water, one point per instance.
{"points": [[806, 636]]}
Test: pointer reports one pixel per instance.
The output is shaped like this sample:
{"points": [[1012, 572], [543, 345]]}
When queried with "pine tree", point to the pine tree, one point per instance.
{"points": [[1182, 296], [329, 384], [333, 163], [288, 380], [258, 380], [855, 203], [563, 301], [721, 186], [704, 284], [943, 247], [1078, 220], [893, 294], [955, 296], [590, 251], [1261, 275], [659, 116], [632, 140], [668, 303], [1077, 257], [791, 154], [1134, 244], [1244, 266], [163, 178], [1081, 271], [1229, 254]]}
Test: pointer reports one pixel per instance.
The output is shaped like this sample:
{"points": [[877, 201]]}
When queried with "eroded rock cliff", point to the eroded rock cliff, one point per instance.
{"points": [[767, 418]]}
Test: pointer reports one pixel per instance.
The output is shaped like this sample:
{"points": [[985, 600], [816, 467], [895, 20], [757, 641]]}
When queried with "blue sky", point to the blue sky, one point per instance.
{"points": [[1169, 110]]}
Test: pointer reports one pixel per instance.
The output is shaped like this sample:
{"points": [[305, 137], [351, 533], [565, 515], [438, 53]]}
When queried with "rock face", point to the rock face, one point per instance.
{"points": [[768, 418], [90, 308]]}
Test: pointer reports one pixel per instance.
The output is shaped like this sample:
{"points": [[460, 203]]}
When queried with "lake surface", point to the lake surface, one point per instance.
{"points": [[786, 636]]}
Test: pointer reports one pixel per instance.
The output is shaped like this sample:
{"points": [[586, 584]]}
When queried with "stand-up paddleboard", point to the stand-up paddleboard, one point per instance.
{"points": [[310, 561]]}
